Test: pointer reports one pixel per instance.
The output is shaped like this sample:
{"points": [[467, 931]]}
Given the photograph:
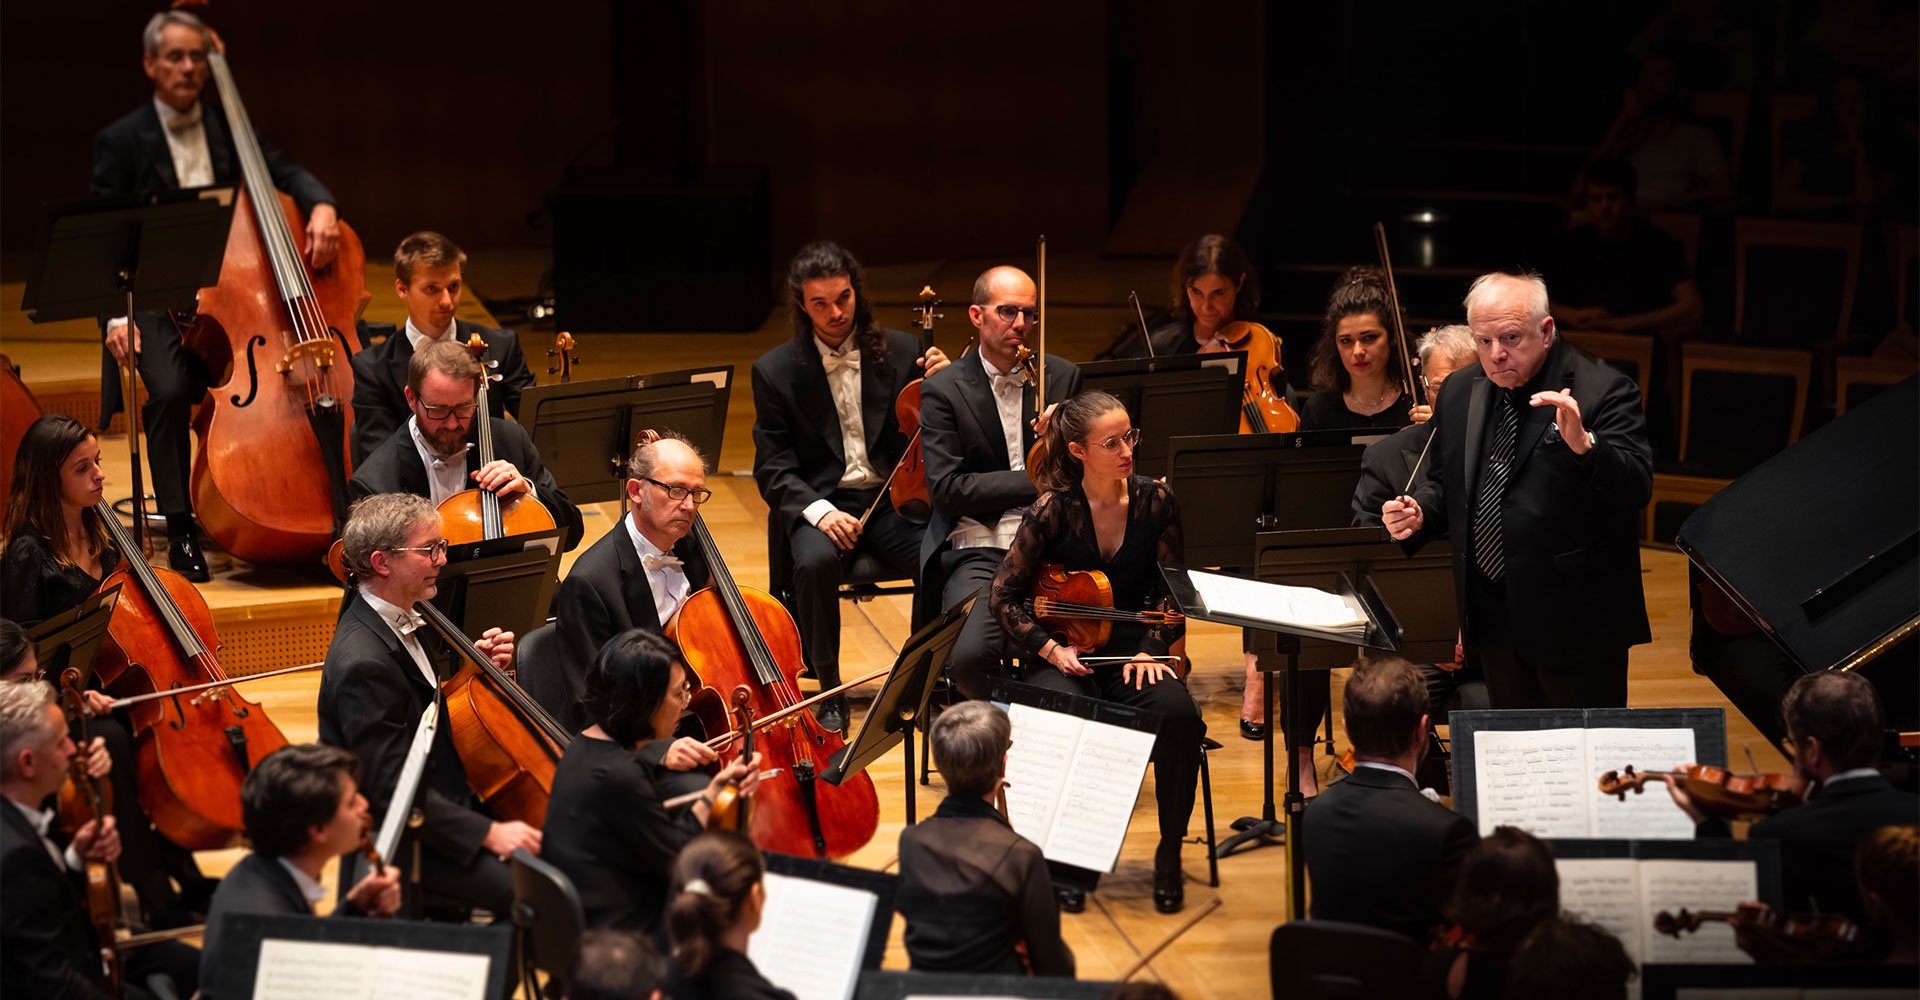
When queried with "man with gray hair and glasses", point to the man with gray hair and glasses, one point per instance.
{"points": [[1539, 469]]}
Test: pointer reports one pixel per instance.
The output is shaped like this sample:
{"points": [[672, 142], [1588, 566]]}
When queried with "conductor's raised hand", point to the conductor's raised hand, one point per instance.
{"points": [[1566, 417], [1402, 516], [1143, 670]]}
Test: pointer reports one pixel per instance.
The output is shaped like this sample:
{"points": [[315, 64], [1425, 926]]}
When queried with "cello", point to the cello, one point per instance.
{"points": [[476, 514], [18, 410], [270, 477], [193, 751], [733, 636]]}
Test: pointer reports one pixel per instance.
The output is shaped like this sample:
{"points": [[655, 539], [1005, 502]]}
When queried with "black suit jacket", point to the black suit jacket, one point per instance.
{"points": [[1570, 521], [1818, 840], [257, 885], [371, 697], [1382, 854], [380, 379], [1384, 468], [46, 945], [608, 829], [606, 594], [797, 448], [395, 467]]}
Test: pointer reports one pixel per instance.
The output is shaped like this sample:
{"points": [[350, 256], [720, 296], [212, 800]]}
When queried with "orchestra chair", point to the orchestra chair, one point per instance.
{"points": [[536, 666], [1630, 353], [1794, 282], [1739, 406], [864, 580], [1857, 379], [548, 921], [1784, 110], [1332, 960], [1682, 226]]}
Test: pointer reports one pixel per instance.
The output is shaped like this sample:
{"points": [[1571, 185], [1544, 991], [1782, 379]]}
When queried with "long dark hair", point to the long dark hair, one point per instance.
{"points": [[1360, 291], [831, 260], [712, 879], [1507, 886], [626, 683], [1214, 254], [1070, 422], [35, 502], [14, 645]]}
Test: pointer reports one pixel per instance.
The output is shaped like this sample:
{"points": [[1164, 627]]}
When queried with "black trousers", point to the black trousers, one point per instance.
{"points": [[1176, 749], [154, 969], [983, 644], [174, 379], [819, 565], [1560, 677], [485, 881]]}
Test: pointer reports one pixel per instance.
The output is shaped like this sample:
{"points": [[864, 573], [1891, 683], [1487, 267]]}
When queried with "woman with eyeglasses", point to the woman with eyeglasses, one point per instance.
{"points": [[608, 826], [1095, 514]]}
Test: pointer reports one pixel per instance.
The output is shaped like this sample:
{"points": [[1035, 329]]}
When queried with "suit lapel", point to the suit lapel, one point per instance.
{"points": [[153, 136], [401, 352], [874, 401], [980, 400], [814, 396], [282, 880], [395, 650], [1477, 404], [635, 591], [1535, 421]]}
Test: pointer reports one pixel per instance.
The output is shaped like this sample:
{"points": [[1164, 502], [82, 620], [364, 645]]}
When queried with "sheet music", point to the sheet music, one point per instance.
{"points": [[789, 948], [314, 970], [1102, 785], [1276, 603], [1535, 780], [1037, 765], [1606, 892], [1651, 814], [1695, 885]]}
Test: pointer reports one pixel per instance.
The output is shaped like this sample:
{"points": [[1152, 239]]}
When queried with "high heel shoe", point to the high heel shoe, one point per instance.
{"points": [[1169, 882]]}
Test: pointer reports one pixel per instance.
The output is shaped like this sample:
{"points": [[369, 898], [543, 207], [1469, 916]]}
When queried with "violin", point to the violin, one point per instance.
{"points": [[1775, 938], [731, 809], [1715, 791], [85, 799], [906, 485], [1262, 410], [1078, 604], [476, 514]]}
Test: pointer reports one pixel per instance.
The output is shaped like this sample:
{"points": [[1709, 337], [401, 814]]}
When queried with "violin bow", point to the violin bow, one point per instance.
{"points": [[1414, 395], [1040, 355], [725, 739], [120, 703], [1145, 336]]}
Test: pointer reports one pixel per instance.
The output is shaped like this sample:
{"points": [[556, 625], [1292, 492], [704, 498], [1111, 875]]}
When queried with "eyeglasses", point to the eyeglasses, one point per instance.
{"points": [[1130, 439], [443, 412], [1007, 314], [435, 551], [679, 493]]}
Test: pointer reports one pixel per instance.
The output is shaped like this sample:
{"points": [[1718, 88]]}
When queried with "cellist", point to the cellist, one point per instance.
{"points": [[379, 677], [825, 436], [177, 141]]}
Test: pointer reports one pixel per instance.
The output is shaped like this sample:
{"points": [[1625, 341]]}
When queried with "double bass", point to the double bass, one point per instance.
{"points": [[270, 477]]}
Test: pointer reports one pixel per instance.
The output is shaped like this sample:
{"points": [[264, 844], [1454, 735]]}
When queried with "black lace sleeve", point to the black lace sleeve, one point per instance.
{"points": [[1043, 523], [1164, 510]]}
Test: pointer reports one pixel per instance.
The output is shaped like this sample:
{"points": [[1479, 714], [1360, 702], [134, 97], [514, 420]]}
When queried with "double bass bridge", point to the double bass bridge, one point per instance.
{"points": [[318, 351]]}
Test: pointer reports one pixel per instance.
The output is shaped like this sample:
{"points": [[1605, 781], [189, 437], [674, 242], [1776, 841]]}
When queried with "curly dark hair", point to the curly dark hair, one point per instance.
{"points": [[831, 260], [1360, 291]]}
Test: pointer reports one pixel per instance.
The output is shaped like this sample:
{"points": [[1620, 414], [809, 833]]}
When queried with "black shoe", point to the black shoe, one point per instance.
{"points": [[1255, 731], [832, 713], [1071, 900], [1169, 882], [183, 554]]}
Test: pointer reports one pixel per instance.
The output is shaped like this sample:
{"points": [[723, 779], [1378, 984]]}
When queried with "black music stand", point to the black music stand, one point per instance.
{"points": [[900, 706], [1176, 396], [72, 638], [243, 935], [902, 985], [584, 431], [1233, 485], [504, 583], [883, 885]]}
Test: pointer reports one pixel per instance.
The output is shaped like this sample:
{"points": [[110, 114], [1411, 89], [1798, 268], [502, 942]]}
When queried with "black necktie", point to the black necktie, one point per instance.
{"points": [[1488, 553]]}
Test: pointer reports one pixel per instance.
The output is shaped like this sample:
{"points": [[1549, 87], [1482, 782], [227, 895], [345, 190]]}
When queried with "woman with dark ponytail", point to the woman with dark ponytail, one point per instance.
{"points": [[718, 896], [1095, 514]]}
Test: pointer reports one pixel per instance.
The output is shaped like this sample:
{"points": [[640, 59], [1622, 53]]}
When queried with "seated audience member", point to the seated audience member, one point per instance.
{"points": [[1378, 851], [1834, 727], [1617, 273], [301, 807], [608, 827], [718, 895], [615, 965], [1569, 959], [1508, 886], [1680, 163], [971, 889], [1887, 868]]}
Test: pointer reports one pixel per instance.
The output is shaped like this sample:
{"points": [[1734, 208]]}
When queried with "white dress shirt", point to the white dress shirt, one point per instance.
{"points": [[668, 583], [1009, 400], [417, 336], [446, 474], [843, 380], [42, 821], [186, 134], [314, 891], [400, 620]]}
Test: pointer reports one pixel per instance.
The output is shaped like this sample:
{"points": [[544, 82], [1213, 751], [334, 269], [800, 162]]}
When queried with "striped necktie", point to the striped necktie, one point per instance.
{"points": [[1488, 546]]}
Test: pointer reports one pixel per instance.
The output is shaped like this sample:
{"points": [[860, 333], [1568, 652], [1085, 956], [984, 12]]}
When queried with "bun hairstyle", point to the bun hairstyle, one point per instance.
{"points": [[1070, 422], [1361, 291], [712, 879], [626, 683]]}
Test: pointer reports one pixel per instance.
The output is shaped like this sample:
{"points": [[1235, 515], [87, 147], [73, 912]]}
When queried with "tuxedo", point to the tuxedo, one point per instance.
{"points": [[372, 694], [257, 885], [131, 156], [380, 379], [1555, 631], [396, 467], [606, 594], [799, 460], [1384, 469], [1380, 853], [1819, 838]]}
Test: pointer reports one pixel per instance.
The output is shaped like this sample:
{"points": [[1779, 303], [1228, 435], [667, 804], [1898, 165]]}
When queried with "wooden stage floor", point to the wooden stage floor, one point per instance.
{"points": [[1226, 954]]}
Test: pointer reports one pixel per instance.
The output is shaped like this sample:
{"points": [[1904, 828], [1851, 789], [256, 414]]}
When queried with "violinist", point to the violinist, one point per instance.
{"points": [[426, 276], [178, 141], [971, 889], [1834, 728], [607, 826], [302, 808], [379, 677], [1508, 885], [432, 454], [825, 437], [718, 895], [1213, 284], [1356, 364], [57, 552], [1097, 515], [975, 431], [47, 945]]}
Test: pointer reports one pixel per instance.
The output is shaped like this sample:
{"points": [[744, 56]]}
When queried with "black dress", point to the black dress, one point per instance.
{"points": [[35, 585], [1326, 410], [1058, 528], [730, 976], [609, 831]]}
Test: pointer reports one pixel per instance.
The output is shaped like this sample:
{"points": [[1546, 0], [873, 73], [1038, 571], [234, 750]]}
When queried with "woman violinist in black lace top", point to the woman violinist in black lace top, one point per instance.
{"points": [[1095, 514]]}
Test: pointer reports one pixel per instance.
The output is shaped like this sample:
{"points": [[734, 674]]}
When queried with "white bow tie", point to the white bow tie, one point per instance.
{"points": [[184, 121], [834, 362], [657, 562], [42, 820], [1016, 377], [409, 622]]}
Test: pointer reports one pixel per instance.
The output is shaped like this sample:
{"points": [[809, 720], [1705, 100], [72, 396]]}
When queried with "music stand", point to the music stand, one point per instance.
{"points": [[1176, 396], [1233, 485], [505, 583], [883, 885], [901, 703], [584, 431], [902, 985], [73, 637], [358, 942]]}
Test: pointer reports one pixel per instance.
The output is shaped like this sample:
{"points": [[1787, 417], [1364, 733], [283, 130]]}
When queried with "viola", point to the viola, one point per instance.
{"points": [[1717, 792], [1262, 410], [1775, 938], [193, 750], [733, 636], [731, 809], [18, 410], [476, 514], [85, 799], [907, 483], [1078, 604]]}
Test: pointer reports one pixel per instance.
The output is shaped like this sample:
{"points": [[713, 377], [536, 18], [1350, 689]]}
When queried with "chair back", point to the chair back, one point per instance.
{"points": [[537, 666], [548, 915], [1739, 406], [1794, 282], [1331, 960], [1630, 353]]}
